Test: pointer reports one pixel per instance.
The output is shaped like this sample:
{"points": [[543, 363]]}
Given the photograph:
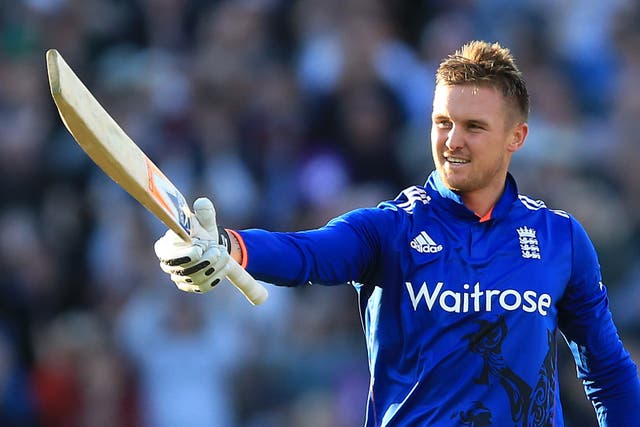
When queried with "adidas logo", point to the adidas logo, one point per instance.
{"points": [[424, 244]]}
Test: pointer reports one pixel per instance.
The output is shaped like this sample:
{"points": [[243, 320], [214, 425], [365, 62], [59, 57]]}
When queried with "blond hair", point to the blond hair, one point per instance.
{"points": [[483, 63]]}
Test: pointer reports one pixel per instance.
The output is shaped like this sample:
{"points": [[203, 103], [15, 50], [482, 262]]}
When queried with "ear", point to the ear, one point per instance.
{"points": [[518, 135]]}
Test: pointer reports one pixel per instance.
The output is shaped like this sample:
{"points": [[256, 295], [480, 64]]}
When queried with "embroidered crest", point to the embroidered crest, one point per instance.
{"points": [[528, 243]]}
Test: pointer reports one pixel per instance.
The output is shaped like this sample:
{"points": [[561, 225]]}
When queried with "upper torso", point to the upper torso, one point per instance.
{"points": [[460, 315], [465, 314]]}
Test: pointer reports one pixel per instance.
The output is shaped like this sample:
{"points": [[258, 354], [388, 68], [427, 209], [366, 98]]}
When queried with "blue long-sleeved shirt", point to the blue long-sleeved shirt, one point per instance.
{"points": [[460, 314]]}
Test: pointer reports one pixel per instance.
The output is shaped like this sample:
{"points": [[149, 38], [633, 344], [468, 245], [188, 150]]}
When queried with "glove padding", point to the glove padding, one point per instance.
{"points": [[200, 265], [194, 267]]}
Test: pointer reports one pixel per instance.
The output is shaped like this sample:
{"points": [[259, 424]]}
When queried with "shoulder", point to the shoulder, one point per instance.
{"points": [[550, 224], [531, 205], [408, 200], [560, 222], [388, 214]]}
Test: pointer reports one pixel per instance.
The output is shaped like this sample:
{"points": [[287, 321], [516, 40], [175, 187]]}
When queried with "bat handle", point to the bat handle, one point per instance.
{"points": [[205, 221], [241, 279]]}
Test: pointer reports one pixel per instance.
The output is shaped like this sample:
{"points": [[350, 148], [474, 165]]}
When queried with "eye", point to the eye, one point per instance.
{"points": [[443, 124], [474, 127]]}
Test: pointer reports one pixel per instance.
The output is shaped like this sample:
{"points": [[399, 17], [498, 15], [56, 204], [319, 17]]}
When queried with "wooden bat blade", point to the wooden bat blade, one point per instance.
{"points": [[112, 149], [121, 159]]}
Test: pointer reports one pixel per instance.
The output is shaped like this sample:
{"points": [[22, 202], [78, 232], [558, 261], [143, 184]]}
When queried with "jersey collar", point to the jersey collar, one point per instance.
{"points": [[453, 202]]}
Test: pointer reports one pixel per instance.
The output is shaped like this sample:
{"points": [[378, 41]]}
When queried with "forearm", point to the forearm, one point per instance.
{"points": [[294, 259], [337, 253], [617, 403], [344, 250], [609, 375], [235, 250]]}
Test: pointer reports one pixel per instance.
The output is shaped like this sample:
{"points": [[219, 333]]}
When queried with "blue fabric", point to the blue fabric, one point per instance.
{"points": [[460, 315]]}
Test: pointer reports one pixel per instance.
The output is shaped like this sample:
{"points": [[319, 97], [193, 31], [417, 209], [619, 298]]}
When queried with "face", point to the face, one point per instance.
{"points": [[472, 138]]}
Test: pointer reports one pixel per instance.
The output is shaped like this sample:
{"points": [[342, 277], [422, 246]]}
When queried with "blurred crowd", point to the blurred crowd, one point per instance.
{"points": [[286, 113]]}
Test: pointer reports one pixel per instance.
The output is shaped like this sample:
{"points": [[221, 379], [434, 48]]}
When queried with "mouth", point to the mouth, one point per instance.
{"points": [[455, 161]]}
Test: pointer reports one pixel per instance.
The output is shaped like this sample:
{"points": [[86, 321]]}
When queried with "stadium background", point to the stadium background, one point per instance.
{"points": [[286, 113]]}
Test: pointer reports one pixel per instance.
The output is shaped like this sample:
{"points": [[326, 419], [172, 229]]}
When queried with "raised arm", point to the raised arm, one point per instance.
{"points": [[347, 249]]}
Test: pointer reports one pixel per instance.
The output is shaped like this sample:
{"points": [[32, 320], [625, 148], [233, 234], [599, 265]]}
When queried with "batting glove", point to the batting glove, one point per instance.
{"points": [[200, 265]]}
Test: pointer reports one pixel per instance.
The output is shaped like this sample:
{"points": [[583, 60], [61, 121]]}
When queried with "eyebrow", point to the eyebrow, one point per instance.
{"points": [[479, 122], [440, 117], [482, 123]]}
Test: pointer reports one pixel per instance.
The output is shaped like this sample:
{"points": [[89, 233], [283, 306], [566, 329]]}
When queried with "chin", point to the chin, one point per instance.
{"points": [[454, 188], [451, 184], [460, 186]]}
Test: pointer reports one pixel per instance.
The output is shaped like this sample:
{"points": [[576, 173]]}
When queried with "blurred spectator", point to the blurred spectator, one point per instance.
{"points": [[17, 405], [79, 380], [184, 355]]}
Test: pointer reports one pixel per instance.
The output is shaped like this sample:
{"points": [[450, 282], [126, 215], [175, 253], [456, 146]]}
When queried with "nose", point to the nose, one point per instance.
{"points": [[454, 139]]}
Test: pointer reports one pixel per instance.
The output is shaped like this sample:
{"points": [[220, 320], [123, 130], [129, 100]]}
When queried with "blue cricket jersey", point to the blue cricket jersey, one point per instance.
{"points": [[460, 315]]}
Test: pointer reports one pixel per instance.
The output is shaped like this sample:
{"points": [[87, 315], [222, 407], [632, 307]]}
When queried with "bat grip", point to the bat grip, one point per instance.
{"points": [[204, 224], [252, 290], [241, 279]]}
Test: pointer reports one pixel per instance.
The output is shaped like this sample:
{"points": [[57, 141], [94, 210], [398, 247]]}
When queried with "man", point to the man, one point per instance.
{"points": [[462, 283]]}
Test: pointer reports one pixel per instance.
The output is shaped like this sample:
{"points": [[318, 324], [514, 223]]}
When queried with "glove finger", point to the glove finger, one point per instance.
{"points": [[205, 213], [188, 287], [165, 242], [183, 256], [211, 282], [223, 258], [173, 271], [188, 271], [183, 280], [218, 257], [192, 270], [221, 273], [167, 268], [171, 246]]}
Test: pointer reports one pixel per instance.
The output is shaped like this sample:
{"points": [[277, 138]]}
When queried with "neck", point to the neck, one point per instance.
{"points": [[482, 201]]}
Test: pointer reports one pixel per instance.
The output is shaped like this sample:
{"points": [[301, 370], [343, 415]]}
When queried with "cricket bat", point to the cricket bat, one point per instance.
{"points": [[123, 161]]}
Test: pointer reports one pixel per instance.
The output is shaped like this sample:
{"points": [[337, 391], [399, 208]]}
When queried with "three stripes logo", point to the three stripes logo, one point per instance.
{"points": [[413, 196], [424, 244]]}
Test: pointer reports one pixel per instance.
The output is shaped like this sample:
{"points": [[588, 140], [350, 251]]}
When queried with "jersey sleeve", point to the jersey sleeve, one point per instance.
{"points": [[606, 369], [342, 251]]}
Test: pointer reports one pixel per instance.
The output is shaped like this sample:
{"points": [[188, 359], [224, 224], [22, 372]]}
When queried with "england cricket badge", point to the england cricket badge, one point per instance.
{"points": [[529, 245]]}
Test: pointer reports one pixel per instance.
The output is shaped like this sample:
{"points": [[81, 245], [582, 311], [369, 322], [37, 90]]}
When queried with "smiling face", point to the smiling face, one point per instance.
{"points": [[473, 136]]}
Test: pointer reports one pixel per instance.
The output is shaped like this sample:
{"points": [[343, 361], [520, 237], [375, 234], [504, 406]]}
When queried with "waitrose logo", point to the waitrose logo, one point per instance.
{"points": [[476, 299]]}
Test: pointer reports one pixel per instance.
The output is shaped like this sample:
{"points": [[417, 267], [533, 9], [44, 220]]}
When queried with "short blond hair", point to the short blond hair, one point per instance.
{"points": [[489, 64]]}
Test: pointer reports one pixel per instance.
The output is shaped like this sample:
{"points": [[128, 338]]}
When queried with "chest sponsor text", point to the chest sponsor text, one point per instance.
{"points": [[477, 299]]}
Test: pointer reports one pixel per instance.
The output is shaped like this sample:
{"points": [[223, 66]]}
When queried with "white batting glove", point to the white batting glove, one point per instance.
{"points": [[200, 265]]}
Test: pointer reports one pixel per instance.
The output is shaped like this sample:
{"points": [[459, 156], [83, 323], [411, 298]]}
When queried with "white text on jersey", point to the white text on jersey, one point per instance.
{"points": [[478, 300]]}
